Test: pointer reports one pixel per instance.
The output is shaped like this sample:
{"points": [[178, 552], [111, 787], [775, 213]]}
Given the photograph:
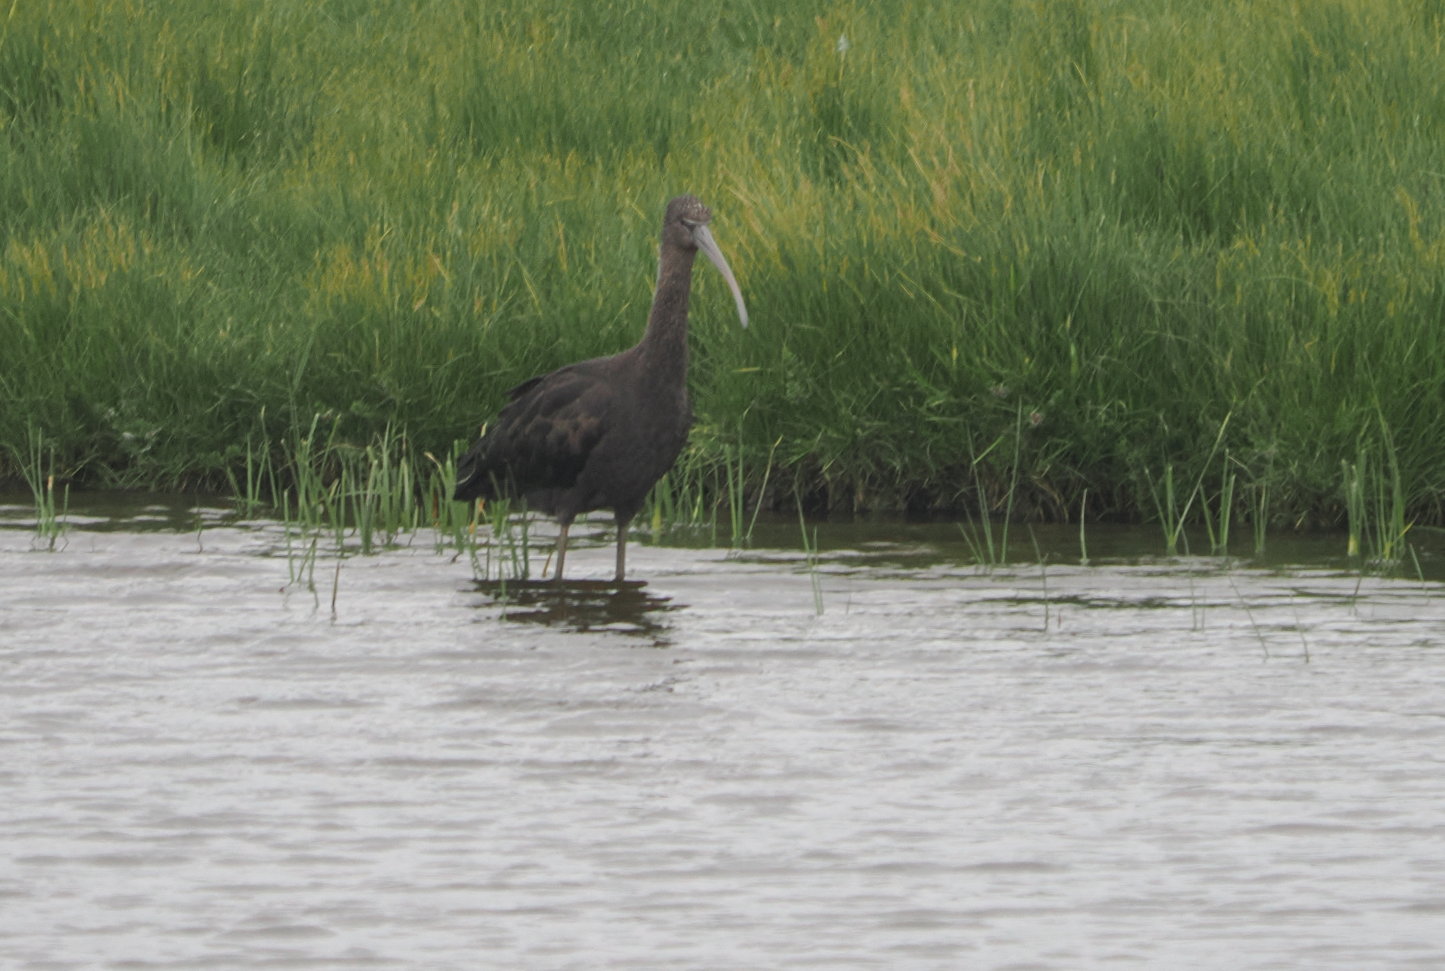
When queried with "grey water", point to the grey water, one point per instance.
{"points": [[880, 756]]}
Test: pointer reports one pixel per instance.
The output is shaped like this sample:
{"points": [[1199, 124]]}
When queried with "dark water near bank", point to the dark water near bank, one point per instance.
{"points": [[1143, 762]]}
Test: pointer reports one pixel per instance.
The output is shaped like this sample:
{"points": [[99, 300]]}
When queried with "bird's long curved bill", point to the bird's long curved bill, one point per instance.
{"points": [[706, 243]]}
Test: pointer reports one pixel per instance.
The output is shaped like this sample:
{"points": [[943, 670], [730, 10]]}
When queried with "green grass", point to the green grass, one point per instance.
{"points": [[232, 227], [36, 465]]}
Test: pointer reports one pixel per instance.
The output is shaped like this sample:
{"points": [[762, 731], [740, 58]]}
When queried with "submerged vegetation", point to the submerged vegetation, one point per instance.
{"points": [[1140, 260]]}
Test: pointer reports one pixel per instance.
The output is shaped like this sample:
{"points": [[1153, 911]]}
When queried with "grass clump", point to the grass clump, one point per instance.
{"points": [[36, 464], [1198, 244]]}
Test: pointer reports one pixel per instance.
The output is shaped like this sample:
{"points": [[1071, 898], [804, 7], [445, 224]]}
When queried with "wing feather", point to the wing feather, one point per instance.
{"points": [[541, 439]]}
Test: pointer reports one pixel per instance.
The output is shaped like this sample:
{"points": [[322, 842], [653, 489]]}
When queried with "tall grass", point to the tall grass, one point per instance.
{"points": [[247, 222]]}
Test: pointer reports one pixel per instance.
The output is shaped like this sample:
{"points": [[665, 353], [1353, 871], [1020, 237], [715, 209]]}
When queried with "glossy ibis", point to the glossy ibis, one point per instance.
{"points": [[598, 434]]}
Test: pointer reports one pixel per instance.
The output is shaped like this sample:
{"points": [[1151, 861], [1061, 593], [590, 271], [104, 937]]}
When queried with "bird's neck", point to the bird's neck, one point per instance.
{"points": [[664, 344]]}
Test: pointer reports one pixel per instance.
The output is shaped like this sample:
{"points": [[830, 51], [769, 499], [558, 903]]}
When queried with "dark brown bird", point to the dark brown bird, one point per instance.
{"points": [[598, 434]]}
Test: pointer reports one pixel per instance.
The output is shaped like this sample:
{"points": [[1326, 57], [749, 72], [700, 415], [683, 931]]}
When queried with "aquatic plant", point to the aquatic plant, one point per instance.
{"points": [[739, 487], [302, 550], [37, 465], [978, 537], [1043, 561], [809, 542], [1217, 519], [1174, 511], [507, 547], [978, 533], [1376, 520], [1259, 520]]}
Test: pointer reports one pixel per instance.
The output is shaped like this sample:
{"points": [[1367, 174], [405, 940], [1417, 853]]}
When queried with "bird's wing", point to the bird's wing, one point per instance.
{"points": [[541, 439], [514, 393]]}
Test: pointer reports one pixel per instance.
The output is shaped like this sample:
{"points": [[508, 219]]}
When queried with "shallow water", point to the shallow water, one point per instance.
{"points": [[1145, 762]]}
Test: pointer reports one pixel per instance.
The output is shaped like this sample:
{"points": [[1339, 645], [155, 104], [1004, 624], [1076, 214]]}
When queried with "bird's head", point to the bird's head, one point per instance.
{"points": [[686, 212], [685, 226]]}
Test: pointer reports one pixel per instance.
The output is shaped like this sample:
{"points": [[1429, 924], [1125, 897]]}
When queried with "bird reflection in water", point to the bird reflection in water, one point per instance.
{"points": [[583, 606]]}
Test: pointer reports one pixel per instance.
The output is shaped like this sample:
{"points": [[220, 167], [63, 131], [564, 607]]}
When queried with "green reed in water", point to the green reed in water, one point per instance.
{"points": [[1375, 512], [344, 500], [1174, 511], [363, 499], [37, 465], [810, 554], [979, 534]]}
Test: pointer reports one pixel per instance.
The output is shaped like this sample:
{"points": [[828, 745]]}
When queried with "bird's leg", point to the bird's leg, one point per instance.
{"points": [[561, 551], [621, 550]]}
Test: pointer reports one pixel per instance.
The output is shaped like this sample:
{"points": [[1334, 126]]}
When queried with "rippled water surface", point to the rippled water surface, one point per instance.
{"points": [[1147, 763]]}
